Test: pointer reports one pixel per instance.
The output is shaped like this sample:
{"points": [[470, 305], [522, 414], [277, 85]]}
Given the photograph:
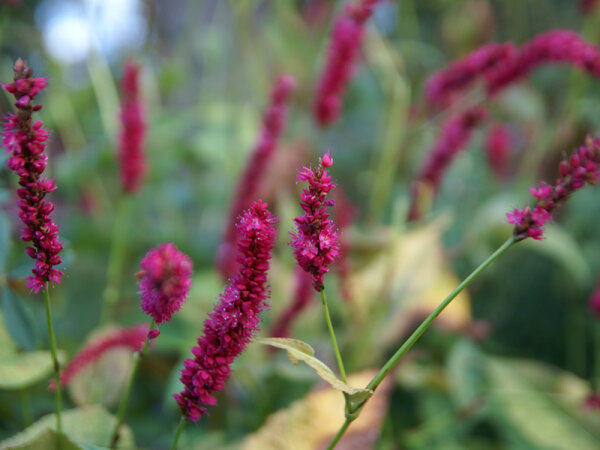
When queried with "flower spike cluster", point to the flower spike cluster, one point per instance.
{"points": [[274, 120], [25, 141], [575, 172], [344, 48], [165, 280], [131, 338], [133, 130], [316, 241], [235, 318], [455, 135]]}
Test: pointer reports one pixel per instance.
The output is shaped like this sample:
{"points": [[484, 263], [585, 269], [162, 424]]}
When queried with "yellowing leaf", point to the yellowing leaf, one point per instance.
{"points": [[301, 351], [312, 422]]}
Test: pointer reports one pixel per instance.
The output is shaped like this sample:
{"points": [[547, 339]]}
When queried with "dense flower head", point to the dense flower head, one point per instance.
{"points": [[498, 143], [25, 141], [165, 279], [581, 168], [274, 120], [131, 338], [133, 130], [594, 302], [556, 46], [315, 242], [344, 49], [235, 317], [446, 85], [303, 293], [454, 136]]}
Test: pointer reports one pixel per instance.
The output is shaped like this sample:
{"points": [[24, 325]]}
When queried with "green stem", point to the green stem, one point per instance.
{"points": [[597, 355], [338, 356], [353, 412], [116, 257], [55, 364], [137, 356], [180, 428], [339, 434]]}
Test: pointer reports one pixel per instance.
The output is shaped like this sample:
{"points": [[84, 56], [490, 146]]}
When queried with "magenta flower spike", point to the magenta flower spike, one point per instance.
{"points": [[132, 338], [575, 172], [274, 120], [498, 143], [132, 159], [315, 242], [235, 317], [25, 141], [165, 280], [344, 49], [454, 136]]}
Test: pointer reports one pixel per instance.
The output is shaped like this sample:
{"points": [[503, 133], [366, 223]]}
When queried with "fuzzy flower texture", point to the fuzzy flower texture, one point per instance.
{"points": [[131, 338], [316, 241], [25, 141], [133, 129], [581, 168], [235, 318], [165, 280]]}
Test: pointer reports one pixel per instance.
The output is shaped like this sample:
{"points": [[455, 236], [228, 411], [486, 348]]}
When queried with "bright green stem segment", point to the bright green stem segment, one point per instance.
{"points": [[55, 364], [137, 356], [180, 428], [413, 338], [338, 356], [117, 255]]}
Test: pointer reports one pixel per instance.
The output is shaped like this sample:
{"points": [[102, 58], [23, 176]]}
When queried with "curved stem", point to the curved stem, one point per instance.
{"points": [[180, 428], [116, 256], [55, 364], [391, 363], [338, 356], [137, 356]]}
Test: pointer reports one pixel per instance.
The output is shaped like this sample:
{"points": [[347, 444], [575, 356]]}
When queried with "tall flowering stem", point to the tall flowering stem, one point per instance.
{"points": [[235, 318], [274, 121], [344, 49], [315, 242], [25, 141], [354, 410], [455, 135], [164, 282], [581, 168], [132, 170]]}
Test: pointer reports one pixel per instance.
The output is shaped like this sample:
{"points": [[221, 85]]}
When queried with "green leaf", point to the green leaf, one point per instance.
{"points": [[21, 370], [466, 372], [89, 427], [301, 351], [7, 345], [47, 439], [17, 320]]}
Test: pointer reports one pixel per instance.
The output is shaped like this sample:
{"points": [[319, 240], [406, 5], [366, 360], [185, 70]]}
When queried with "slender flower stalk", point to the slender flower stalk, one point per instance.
{"points": [[25, 141], [274, 121], [455, 135], [353, 411], [235, 318], [344, 49], [581, 168]]}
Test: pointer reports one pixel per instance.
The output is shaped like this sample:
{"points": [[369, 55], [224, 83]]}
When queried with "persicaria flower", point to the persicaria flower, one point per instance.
{"points": [[577, 170], [344, 48], [454, 136], [498, 143], [274, 120], [132, 338], [315, 242], [594, 302], [25, 141], [133, 130], [235, 317], [165, 279]]}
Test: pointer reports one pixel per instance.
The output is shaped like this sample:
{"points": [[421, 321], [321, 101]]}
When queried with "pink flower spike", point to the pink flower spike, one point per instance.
{"points": [[327, 160], [25, 142], [235, 317], [315, 242], [131, 338], [165, 280]]}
